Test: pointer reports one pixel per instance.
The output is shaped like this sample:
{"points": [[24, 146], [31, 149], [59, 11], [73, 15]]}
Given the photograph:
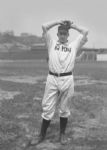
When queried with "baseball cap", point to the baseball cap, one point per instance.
{"points": [[63, 28]]}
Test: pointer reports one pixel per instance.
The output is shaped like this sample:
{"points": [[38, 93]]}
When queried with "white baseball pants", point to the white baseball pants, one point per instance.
{"points": [[58, 90]]}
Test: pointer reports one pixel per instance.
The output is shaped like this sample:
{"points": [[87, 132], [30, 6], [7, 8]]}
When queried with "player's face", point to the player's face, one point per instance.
{"points": [[63, 36]]}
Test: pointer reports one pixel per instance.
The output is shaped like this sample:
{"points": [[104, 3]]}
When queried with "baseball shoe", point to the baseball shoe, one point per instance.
{"points": [[37, 140], [42, 135], [63, 139]]}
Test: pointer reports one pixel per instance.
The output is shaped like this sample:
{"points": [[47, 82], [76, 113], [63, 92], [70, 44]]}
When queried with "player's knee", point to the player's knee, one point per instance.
{"points": [[48, 115], [64, 113]]}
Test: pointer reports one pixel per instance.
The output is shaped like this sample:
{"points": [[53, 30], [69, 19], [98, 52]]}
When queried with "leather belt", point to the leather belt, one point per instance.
{"points": [[60, 74]]}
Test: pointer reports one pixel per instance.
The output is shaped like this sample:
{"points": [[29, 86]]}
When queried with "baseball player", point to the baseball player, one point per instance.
{"points": [[60, 82]]}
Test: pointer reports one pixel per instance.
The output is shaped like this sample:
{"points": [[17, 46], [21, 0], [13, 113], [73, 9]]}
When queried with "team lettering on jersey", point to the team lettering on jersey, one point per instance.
{"points": [[57, 46], [63, 48]]}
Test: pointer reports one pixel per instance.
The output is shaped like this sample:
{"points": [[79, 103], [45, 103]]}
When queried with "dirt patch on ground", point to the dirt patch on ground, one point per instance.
{"points": [[23, 79], [8, 95]]}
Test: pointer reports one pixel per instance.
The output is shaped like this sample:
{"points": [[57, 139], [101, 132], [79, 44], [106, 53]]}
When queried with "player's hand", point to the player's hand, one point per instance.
{"points": [[62, 22], [68, 23], [73, 26]]}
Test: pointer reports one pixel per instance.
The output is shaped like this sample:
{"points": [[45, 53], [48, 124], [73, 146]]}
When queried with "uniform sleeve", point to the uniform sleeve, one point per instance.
{"points": [[80, 41], [48, 39]]}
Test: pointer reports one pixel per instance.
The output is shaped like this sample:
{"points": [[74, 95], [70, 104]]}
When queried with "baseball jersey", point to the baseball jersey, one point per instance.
{"points": [[62, 56]]}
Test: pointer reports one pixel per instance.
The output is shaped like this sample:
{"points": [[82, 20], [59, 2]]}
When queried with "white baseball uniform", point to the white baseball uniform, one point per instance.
{"points": [[61, 60]]}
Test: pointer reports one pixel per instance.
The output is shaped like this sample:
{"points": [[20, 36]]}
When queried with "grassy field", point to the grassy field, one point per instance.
{"points": [[22, 84]]}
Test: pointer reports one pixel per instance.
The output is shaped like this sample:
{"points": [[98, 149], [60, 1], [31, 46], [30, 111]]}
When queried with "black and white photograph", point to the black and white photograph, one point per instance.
{"points": [[53, 75]]}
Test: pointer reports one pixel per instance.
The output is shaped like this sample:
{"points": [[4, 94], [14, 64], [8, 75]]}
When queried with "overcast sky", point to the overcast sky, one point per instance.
{"points": [[29, 15]]}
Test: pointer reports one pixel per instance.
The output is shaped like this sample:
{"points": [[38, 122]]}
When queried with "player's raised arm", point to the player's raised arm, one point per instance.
{"points": [[78, 58], [46, 27], [49, 25], [81, 30], [83, 37]]}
